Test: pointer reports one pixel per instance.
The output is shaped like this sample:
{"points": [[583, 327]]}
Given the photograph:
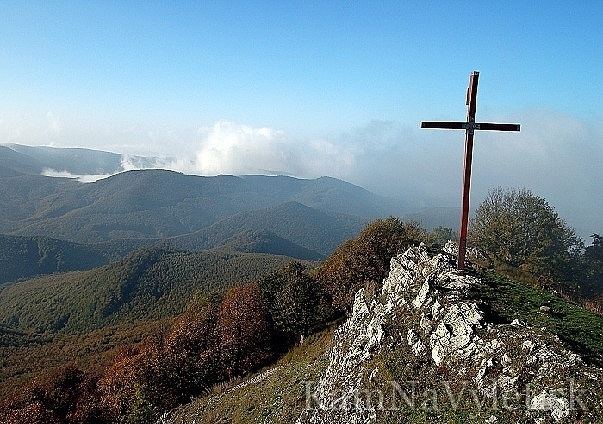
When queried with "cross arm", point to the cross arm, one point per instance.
{"points": [[444, 125], [497, 127], [486, 126]]}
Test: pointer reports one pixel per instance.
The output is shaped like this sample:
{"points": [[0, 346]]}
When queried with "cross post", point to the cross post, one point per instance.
{"points": [[469, 126]]}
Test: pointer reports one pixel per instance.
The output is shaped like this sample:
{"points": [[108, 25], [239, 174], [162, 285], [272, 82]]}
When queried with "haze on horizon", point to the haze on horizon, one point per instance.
{"points": [[315, 89]]}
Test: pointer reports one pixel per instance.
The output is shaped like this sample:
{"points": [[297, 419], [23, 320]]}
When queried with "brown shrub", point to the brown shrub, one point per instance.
{"points": [[595, 305], [244, 331], [366, 258], [34, 412], [118, 384], [65, 395], [191, 349], [164, 372]]}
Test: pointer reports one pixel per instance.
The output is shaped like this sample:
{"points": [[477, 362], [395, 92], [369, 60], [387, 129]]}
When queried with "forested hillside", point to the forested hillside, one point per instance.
{"points": [[156, 204], [308, 227], [148, 284], [14, 163], [59, 224], [252, 241], [24, 256]]}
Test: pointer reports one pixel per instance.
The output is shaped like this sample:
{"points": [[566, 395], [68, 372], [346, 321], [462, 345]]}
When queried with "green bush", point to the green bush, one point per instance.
{"points": [[296, 301], [522, 230]]}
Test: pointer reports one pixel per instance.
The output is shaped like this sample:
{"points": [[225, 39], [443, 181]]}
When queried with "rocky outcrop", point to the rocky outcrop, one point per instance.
{"points": [[428, 308]]}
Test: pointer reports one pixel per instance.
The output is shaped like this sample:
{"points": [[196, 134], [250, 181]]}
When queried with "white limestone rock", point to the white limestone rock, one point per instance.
{"points": [[443, 324]]}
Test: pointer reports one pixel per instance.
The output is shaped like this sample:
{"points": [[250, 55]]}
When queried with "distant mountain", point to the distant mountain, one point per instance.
{"points": [[29, 256], [34, 159], [311, 228], [14, 163], [61, 224], [56, 224], [148, 284], [330, 195], [267, 242], [25, 197], [159, 204]]}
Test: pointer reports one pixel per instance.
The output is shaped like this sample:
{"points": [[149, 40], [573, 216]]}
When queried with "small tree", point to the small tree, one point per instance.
{"points": [[296, 301], [593, 267], [522, 230], [244, 332]]}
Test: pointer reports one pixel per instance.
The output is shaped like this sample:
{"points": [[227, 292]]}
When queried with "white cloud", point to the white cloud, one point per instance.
{"points": [[231, 148], [128, 163], [49, 172]]}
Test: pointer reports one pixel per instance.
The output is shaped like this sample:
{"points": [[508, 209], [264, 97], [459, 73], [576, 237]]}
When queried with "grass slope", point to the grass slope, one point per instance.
{"points": [[275, 395], [580, 329]]}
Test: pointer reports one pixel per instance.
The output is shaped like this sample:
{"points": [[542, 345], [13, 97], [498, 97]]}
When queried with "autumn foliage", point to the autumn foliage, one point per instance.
{"points": [[216, 339], [206, 345], [365, 259], [244, 331], [66, 395]]}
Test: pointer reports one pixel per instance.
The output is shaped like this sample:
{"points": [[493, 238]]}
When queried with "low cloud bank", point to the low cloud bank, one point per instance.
{"points": [[231, 148], [555, 155], [87, 178]]}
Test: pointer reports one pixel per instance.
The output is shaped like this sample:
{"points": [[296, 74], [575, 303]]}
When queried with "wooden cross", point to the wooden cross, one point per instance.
{"points": [[470, 126]]}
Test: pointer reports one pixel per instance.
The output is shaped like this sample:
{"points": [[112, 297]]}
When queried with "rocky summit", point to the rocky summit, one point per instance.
{"points": [[454, 358]]}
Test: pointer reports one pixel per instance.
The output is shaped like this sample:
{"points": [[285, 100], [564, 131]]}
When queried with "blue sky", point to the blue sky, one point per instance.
{"points": [[316, 88], [325, 66]]}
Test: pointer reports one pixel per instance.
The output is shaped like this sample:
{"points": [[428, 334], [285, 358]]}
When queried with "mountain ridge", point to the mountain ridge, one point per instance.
{"points": [[158, 203]]}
